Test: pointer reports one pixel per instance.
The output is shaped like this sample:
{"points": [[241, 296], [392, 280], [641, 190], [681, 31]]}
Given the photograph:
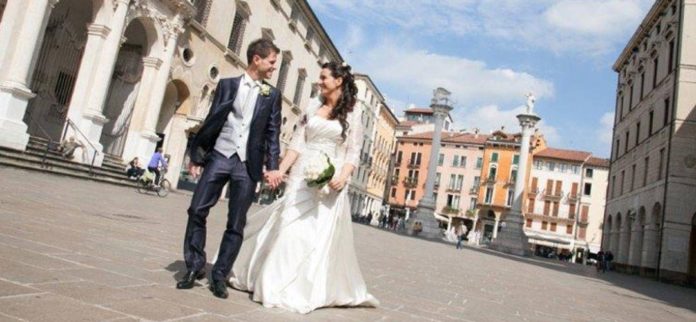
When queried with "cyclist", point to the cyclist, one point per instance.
{"points": [[156, 161]]}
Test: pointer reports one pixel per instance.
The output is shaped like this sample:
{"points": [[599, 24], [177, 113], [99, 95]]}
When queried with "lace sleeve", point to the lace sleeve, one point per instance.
{"points": [[354, 140]]}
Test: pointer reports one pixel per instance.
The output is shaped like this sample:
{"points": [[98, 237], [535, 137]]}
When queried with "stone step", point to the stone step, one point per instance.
{"points": [[65, 172], [54, 155], [58, 165]]}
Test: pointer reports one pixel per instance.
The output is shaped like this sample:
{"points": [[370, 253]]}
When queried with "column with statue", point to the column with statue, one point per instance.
{"points": [[512, 238], [423, 223]]}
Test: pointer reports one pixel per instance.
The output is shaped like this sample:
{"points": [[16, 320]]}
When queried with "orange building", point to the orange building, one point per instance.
{"points": [[498, 176]]}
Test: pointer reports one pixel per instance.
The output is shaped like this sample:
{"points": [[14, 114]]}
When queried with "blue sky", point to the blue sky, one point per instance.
{"points": [[489, 53]]}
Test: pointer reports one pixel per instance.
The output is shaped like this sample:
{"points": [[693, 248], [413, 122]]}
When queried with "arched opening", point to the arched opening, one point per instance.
{"points": [[607, 234], [57, 66], [692, 252], [637, 249], [625, 251], [125, 85], [654, 243], [616, 247]]}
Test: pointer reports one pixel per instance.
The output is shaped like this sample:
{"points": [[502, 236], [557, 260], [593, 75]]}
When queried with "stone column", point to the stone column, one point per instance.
{"points": [[147, 138], [649, 257], [512, 239], [425, 212], [20, 37], [495, 227], [134, 145]]}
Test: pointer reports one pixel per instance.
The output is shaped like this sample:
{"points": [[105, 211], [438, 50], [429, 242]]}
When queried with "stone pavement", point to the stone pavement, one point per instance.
{"points": [[75, 250]]}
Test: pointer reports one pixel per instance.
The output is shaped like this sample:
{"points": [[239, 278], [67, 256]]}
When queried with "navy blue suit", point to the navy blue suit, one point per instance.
{"points": [[263, 143]]}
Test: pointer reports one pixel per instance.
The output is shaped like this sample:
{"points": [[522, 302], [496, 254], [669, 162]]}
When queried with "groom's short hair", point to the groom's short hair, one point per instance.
{"points": [[262, 48]]}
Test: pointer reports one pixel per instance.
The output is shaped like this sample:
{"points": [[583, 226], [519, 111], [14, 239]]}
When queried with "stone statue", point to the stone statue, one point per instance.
{"points": [[530, 102]]}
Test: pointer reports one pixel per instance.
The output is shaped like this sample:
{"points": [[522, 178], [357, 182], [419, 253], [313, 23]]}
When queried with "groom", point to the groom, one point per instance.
{"points": [[240, 131]]}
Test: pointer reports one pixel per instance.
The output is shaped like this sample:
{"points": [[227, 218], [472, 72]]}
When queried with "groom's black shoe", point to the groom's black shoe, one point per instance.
{"points": [[219, 289], [190, 279]]}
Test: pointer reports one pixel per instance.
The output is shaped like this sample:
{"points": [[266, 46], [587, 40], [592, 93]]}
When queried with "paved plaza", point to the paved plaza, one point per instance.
{"points": [[75, 250]]}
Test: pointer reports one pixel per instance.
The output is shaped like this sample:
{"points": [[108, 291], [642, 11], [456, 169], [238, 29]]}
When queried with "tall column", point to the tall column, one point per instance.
{"points": [[20, 38], [649, 256], [147, 138], [512, 239], [425, 212]]}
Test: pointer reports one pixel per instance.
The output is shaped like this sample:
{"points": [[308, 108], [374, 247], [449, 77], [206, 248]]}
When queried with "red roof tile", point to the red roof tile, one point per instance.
{"points": [[598, 162], [561, 154]]}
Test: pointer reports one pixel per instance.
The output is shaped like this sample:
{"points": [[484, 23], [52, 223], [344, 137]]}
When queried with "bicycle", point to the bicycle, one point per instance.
{"points": [[146, 183]]}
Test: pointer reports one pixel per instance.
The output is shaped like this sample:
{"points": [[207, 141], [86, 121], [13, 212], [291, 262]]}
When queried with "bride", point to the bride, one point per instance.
{"points": [[298, 252]]}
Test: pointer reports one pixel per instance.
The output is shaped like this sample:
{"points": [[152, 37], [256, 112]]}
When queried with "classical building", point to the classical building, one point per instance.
{"points": [[498, 175], [458, 175], [650, 220], [420, 120], [565, 203], [380, 157], [368, 105], [126, 76]]}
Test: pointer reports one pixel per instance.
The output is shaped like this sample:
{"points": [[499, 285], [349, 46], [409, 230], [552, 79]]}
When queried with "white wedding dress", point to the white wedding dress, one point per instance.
{"points": [[298, 252]]}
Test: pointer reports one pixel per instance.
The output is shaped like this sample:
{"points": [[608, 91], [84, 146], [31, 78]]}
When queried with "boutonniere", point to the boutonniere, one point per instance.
{"points": [[265, 89]]}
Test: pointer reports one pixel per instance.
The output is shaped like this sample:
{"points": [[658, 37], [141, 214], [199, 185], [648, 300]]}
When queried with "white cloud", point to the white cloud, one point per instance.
{"points": [[417, 72], [586, 27], [606, 129], [489, 118]]}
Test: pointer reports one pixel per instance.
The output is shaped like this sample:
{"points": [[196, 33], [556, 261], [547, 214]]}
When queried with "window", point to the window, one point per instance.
{"points": [[642, 84], [472, 203], [588, 173], [441, 159], [633, 177], [621, 110], [569, 229], [646, 164], [587, 190], [655, 61], [510, 197], [551, 166], [651, 117], [452, 182], [437, 179], [489, 195], [613, 186], [477, 181], [544, 225], [666, 112], [516, 159], [660, 166], [393, 192], [418, 158], [202, 11], [492, 172], [462, 161], [513, 175], [671, 56], [530, 206], [399, 156], [626, 144], [618, 144], [460, 182], [406, 193], [494, 157], [621, 183], [302, 74], [547, 207], [455, 161], [479, 163], [555, 208], [538, 164], [283, 71], [571, 211], [413, 195], [637, 133], [237, 33], [630, 99], [553, 226], [529, 223], [581, 232]]}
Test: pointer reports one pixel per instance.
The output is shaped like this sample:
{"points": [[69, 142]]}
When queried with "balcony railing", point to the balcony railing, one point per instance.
{"points": [[573, 197], [394, 180], [489, 180], [554, 196], [450, 210], [410, 182], [412, 164], [533, 191], [474, 190]]}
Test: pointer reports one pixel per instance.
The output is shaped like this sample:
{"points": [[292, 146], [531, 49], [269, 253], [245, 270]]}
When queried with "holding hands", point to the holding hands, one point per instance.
{"points": [[338, 184], [273, 178]]}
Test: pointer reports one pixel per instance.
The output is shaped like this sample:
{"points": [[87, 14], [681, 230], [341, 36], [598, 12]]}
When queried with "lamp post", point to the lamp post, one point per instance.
{"points": [[511, 238], [425, 212]]}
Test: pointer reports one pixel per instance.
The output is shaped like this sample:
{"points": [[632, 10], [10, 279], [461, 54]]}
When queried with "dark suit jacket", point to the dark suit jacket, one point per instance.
{"points": [[263, 133]]}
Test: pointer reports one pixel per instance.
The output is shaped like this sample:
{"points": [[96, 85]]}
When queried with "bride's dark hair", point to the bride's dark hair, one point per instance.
{"points": [[349, 93]]}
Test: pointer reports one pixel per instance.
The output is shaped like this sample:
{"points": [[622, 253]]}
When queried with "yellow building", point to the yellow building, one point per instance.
{"points": [[498, 176], [382, 149]]}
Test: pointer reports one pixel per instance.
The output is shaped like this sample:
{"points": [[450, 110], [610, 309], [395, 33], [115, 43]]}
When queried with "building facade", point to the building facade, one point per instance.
{"points": [[382, 165], [565, 203], [498, 175], [367, 104], [650, 220], [130, 76]]}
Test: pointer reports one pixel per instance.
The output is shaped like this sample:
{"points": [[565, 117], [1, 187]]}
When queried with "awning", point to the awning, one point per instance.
{"points": [[548, 240]]}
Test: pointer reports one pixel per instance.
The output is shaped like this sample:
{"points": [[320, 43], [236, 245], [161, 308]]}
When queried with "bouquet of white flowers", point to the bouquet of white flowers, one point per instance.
{"points": [[319, 172]]}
